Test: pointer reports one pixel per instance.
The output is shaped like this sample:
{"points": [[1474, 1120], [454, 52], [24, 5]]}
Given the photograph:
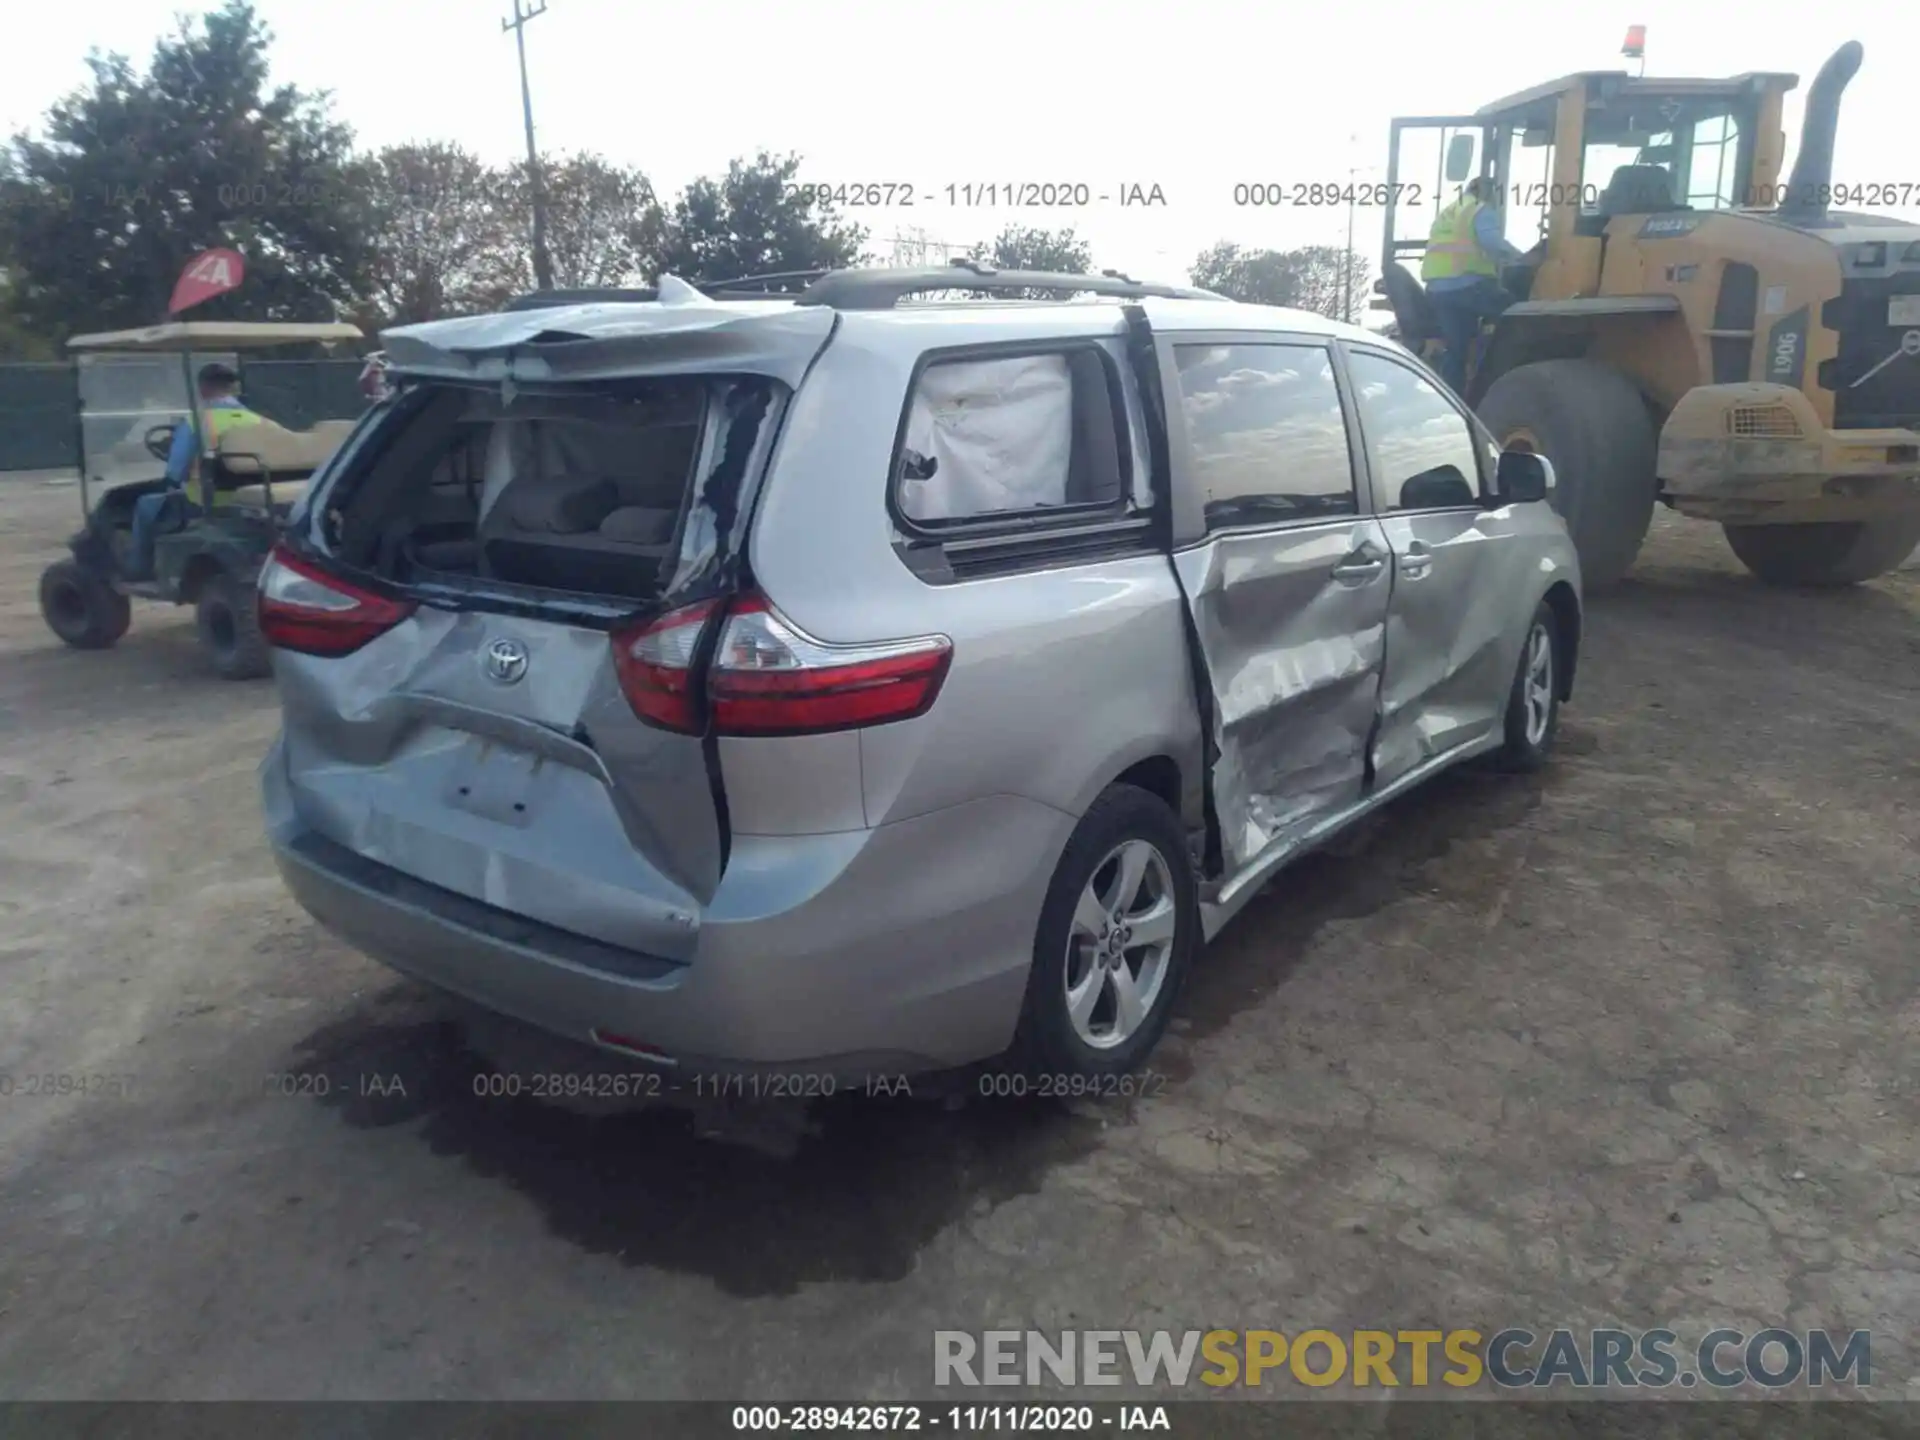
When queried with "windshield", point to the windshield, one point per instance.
{"points": [[123, 396], [1699, 144]]}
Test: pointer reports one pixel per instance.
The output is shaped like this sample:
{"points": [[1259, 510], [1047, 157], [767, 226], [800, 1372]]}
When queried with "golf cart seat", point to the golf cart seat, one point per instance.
{"points": [[248, 456]]}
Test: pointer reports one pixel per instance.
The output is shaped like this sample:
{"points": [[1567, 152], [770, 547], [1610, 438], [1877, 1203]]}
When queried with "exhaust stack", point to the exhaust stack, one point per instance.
{"points": [[1806, 196]]}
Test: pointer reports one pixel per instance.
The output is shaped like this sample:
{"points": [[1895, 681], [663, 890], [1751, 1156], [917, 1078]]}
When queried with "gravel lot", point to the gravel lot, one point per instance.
{"points": [[1630, 1042]]}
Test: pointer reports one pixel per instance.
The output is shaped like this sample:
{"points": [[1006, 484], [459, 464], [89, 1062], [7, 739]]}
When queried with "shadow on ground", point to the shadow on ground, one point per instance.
{"points": [[873, 1180], [1383, 860]]}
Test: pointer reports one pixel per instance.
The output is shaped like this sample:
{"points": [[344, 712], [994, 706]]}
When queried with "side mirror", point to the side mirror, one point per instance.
{"points": [[1459, 158], [1522, 477]]}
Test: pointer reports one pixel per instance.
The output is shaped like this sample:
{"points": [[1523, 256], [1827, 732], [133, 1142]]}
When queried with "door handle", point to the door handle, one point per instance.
{"points": [[1416, 561], [1363, 567]]}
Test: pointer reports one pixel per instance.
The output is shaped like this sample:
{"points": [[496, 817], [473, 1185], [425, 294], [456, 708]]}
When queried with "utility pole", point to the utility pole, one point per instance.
{"points": [[523, 11], [1346, 257]]}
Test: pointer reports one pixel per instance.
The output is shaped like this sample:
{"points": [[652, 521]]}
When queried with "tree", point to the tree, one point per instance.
{"points": [[1024, 248], [135, 173], [754, 221], [1259, 277], [441, 233], [1021, 248], [603, 224], [17, 343], [1332, 281], [1322, 278]]}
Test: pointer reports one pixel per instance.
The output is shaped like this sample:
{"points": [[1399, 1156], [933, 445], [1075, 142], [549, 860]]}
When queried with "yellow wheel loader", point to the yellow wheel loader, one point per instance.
{"points": [[1688, 328]]}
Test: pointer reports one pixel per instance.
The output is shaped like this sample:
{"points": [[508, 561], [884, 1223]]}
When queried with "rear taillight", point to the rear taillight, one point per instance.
{"points": [[769, 679], [304, 608], [766, 678], [655, 664]]}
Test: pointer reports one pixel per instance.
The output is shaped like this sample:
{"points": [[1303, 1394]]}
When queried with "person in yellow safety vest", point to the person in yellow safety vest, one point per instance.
{"points": [[1461, 272], [169, 509]]}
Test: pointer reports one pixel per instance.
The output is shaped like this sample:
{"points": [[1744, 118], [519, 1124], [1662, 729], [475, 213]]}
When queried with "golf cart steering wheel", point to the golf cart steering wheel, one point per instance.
{"points": [[159, 441]]}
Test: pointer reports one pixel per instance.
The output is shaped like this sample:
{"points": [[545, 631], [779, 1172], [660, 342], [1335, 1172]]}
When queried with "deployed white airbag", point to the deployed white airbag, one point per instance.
{"points": [[999, 434]]}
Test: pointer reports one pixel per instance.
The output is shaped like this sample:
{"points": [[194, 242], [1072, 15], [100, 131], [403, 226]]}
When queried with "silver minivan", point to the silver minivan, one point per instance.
{"points": [[876, 678]]}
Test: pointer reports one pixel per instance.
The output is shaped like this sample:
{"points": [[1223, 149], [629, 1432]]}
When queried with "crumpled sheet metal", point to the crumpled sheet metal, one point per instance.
{"points": [[1295, 664]]}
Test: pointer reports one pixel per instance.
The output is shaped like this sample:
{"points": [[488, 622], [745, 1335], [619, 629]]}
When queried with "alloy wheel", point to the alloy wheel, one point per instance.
{"points": [[1537, 683], [1120, 944]]}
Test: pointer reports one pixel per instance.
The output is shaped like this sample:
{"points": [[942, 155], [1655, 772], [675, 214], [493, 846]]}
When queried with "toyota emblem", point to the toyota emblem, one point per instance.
{"points": [[504, 661]]}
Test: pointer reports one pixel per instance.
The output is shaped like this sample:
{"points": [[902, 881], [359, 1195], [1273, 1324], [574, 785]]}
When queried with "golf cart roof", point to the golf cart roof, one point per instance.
{"points": [[217, 335]]}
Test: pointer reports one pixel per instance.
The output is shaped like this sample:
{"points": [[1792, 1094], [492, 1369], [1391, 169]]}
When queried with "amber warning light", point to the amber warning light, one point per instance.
{"points": [[1636, 44]]}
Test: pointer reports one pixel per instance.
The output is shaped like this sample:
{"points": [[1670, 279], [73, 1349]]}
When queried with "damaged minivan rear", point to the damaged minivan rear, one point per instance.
{"points": [[859, 686], [555, 741]]}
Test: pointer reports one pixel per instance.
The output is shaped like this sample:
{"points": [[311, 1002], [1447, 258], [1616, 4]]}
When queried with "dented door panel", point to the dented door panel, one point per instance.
{"points": [[1291, 626], [1464, 580], [1457, 587]]}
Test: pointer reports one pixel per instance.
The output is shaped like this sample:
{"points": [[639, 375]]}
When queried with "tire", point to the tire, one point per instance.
{"points": [[81, 607], [1591, 422], [1824, 556], [1058, 1036], [1533, 701], [229, 627]]}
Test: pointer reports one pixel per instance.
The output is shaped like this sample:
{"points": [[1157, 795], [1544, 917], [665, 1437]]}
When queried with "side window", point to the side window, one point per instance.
{"points": [[1425, 455], [1713, 158], [1264, 425], [1528, 193], [1006, 435]]}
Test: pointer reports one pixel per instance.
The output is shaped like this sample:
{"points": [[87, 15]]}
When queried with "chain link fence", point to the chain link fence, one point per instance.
{"points": [[38, 424]]}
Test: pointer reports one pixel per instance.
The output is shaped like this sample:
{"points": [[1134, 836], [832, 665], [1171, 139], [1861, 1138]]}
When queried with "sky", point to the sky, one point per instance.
{"points": [[1189, 98]]}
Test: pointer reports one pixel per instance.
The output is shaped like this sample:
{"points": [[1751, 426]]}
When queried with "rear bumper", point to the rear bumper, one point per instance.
{"points": [[864, 953], [1751, 453]]}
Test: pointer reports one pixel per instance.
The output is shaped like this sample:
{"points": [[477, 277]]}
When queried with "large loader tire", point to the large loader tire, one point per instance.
{"points": [[1824, 556], [1591, 422]]}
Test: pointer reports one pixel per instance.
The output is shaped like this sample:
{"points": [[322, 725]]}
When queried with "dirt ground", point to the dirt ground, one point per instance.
{"points": [[1630, 1042]]}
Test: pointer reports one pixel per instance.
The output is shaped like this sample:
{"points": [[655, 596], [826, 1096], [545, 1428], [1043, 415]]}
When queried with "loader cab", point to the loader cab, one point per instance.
{"points": [[1569, 160], [1569, 157]]}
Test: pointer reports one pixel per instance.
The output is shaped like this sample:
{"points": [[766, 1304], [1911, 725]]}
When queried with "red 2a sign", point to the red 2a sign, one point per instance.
{"points": [[210, 273]]}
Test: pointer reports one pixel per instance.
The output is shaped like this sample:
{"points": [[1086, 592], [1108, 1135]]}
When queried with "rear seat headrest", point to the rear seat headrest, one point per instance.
{"points": [[638, 525], [562, 506]]}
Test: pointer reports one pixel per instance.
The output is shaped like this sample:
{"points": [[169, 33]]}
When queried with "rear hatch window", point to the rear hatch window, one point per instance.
{"points": [[587, 489]]}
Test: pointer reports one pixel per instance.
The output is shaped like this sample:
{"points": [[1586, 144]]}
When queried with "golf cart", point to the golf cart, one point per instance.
{"points": [[135, 387]]}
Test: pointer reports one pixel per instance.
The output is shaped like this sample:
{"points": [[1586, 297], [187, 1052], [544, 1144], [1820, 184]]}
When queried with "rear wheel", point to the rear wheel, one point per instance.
{"points": [[1824, 556], [1591, 422], [229, 627], [81, 607], [1116, 935]]}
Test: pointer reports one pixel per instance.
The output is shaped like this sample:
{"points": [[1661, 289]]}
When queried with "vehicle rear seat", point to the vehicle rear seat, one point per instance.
{"points": [[288, 459], [583, 511], [543, 524]]}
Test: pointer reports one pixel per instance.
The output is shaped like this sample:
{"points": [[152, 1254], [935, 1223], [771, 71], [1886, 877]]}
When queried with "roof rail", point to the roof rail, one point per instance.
{"points": [[877, 287], [880, 288], [776, 282], [783, 282]]}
